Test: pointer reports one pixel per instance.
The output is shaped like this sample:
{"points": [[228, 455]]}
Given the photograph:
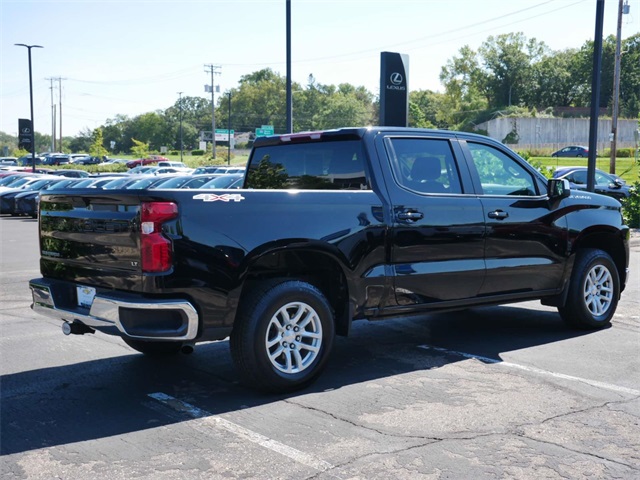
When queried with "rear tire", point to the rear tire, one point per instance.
{"points": [[282, 336], [154, 349], [594, 291]]}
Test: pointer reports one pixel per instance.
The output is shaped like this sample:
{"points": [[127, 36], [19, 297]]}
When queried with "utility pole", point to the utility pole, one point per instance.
{"points": [[53, 118], [181, 143], [214, 70], [229, 127], [616, 90], [59, 80]]}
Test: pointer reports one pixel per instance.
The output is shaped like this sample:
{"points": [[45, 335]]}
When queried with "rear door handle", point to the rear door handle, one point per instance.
{"points": [[498, 214], [410, 216]]}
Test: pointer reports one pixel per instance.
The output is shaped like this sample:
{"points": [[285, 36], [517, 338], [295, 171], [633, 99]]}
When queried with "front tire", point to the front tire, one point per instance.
{"points": [[283, 336], [594, 291]]}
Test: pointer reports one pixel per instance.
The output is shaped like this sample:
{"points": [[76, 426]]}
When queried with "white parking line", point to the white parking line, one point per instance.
{"points": [[539, 371], [266, 442]]}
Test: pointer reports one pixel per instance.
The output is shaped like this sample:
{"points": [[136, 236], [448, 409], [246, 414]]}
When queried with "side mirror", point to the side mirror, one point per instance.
{"points": [[558, 188], [616, 184]]}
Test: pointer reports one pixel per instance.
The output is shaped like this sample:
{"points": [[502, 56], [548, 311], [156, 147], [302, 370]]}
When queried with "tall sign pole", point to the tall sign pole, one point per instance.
{"points": [[595, 96], [289, 94], [394, 89]]}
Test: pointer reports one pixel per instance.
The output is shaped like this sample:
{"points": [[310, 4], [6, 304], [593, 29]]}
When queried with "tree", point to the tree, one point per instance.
{"points": [[508, 75], [139, 149], [424, 108], [555, 79], [150, 128], [465, 94], [97, 147], [82, 142], [630, 77]]}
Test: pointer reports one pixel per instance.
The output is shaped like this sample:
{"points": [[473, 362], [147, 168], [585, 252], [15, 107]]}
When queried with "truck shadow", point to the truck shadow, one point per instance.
{"points": [[110, 396]]}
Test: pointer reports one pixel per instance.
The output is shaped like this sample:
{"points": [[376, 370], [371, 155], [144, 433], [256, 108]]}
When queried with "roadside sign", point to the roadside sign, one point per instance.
{"points": [[264, 131], [222, 135]]}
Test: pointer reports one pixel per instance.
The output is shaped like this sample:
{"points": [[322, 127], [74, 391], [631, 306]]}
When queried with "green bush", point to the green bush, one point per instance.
{"points": [[526, 154], [631, 207], [111, 168], [620, 153], [197, 153], [174, 152]]}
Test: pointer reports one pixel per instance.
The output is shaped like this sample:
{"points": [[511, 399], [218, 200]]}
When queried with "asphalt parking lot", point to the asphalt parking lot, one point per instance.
{"points": [[497, 392]]}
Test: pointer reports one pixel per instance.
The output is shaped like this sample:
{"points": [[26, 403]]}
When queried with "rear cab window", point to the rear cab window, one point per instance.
{"points": [[325, 165]]}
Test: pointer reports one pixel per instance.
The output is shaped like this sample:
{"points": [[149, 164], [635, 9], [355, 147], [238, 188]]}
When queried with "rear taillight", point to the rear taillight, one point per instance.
{"points": [[155, 249]]}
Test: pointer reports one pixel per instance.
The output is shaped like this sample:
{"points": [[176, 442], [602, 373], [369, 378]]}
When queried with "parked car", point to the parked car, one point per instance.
{"points": [[86, 160], [26, 203], [141, 169], [71, 173], [572, 151], [174, 181], [197, 181], [605, 183], [7, 202], [146, 161], [210, 169], [27, 160], [172, 164], [333, 227], [13, 161], [56, 160], [16, 181], [115, 161], [225, 181]]}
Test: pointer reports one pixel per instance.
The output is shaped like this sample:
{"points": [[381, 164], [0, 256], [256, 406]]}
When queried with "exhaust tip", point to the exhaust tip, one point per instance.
{"points": [[66, 328], [76, 328], [187, 349]]}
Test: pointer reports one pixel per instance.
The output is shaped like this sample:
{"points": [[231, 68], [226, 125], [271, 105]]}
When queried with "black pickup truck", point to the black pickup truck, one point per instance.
{"points": [[330, 227]]}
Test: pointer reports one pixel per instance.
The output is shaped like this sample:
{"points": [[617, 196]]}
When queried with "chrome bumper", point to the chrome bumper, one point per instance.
{"points": [[105, 312]]}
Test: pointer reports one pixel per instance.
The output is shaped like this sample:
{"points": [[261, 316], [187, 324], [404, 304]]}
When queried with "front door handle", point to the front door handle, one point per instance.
{"points": [[410, 216], [498, 214]]}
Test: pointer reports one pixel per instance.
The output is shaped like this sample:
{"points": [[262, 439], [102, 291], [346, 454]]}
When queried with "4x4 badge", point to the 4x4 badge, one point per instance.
{"points": [[225, 197]]}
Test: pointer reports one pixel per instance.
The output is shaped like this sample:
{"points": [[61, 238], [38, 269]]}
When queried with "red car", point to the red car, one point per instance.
{"points": [[146, 160]]}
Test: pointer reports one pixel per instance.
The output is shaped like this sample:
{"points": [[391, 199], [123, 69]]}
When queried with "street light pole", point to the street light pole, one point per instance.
{"points": [[33, 136], [181, 143]]}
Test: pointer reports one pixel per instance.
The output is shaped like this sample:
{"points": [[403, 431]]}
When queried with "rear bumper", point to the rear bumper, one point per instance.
{"points": [[117, 313]]}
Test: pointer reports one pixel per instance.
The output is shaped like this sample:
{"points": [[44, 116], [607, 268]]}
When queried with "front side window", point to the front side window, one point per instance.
{"points": [[425, 165], [500, 174], [329, 165]]}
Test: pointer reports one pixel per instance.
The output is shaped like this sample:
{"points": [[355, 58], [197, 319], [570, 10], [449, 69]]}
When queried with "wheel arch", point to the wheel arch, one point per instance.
{"points": [[610, 241], [320, 265]]}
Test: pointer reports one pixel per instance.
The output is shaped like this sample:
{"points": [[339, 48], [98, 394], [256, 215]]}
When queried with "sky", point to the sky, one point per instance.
{"points": [[132, 57]]}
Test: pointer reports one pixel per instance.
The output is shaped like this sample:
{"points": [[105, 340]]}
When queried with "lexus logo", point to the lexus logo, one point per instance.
{"points": [[396, 78], [26, 130]]}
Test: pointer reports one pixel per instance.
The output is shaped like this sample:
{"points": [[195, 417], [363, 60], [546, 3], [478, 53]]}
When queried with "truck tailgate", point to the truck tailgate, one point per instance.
{"points": [[91, 237]]}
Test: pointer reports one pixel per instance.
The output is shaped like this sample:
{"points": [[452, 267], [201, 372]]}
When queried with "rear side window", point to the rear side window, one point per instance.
{"points": [[425, 165], [329, 165]]}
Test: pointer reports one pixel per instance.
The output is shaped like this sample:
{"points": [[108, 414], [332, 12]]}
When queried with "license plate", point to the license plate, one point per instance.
{"points": [[85, 296]]}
